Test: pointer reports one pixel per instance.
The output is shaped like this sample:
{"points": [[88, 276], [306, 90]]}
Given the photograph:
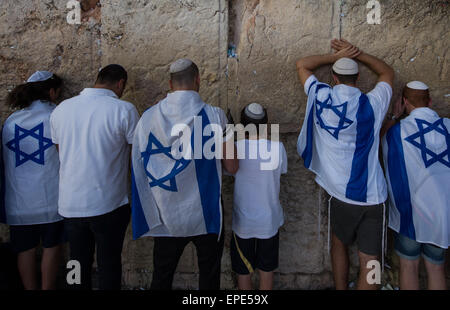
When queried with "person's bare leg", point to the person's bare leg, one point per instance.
{"points": [[49, 267], [409, 274], [245, 282], [363, 272], [265, 280], [436, 276], [340, 263], [26, 262]]}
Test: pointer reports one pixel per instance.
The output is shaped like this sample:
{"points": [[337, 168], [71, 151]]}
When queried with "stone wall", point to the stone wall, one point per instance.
{"points": [[145, 36]]}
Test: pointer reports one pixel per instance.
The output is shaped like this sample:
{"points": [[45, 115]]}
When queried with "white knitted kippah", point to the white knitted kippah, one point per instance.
{"points": [[255, 111], [40, 76], [417, 85], [346, 66], [180, 65]]}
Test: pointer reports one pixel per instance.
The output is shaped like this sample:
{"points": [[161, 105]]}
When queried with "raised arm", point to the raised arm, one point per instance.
{"points": [[384, 71], [306, 65]]}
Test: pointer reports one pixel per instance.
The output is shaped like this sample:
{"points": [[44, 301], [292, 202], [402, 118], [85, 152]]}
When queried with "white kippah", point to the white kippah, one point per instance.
{"points": [[180, 65], [255, 111], [417, 85], [40, 76], [346, 66]]}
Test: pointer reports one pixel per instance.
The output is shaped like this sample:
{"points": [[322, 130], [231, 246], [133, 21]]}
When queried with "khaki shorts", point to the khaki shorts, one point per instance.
{"points": [[363, 224]]}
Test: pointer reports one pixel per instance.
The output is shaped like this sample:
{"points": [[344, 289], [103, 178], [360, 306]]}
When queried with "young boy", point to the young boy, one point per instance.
{"points": [[31, 179], [257, 213]]}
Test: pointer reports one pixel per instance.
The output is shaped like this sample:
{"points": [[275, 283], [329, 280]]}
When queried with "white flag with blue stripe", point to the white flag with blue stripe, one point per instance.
{"points": [[2, 187], [171, 196], [339, 142], [416, 154], [31, 166]]}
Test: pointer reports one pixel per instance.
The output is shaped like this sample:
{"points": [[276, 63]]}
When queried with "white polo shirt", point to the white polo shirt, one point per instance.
{"points": [[93, 131]]}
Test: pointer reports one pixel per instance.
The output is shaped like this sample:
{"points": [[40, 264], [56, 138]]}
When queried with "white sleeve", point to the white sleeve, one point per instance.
{"points": [[130, 123], [284, 160], [309, 82], [380, 97], [222, 118], [53, 131]]}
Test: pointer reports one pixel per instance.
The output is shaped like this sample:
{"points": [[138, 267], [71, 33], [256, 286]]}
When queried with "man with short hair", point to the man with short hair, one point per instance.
{"points": [[339, 142], [177, 197], [93, 132], [416, 152]]}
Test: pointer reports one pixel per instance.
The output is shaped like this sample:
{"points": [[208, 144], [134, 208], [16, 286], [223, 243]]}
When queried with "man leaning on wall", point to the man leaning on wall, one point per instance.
{"points": [[339, 142], [178, 200]]}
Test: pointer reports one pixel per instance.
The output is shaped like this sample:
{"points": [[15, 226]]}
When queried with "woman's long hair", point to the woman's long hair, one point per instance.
{"points": [[23, 95]]}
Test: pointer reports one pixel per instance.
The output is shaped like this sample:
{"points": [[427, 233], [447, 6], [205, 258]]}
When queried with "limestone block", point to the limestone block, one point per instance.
{"points": [[270, 36], [36, 36]]}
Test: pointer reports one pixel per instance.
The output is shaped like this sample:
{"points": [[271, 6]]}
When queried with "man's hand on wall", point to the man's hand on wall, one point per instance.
{"points": [[348, 52], [341, 44]]}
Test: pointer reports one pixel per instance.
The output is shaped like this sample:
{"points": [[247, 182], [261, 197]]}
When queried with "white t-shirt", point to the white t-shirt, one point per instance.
{"points": [[337, 155], [31, 166], [93, 131], [257, 211]]}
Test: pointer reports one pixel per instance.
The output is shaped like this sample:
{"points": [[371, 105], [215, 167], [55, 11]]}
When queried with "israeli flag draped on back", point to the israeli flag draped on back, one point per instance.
{"points": [[31, 166], [339, 140], [416, 155], [170, 197]]}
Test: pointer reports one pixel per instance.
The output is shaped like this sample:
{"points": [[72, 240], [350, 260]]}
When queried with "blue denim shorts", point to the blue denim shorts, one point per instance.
{"points": [[410, 249]]}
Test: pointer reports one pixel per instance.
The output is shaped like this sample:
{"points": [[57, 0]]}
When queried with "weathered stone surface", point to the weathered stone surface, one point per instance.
{"points": [[270, 36], [35, 36], [145, 36]]}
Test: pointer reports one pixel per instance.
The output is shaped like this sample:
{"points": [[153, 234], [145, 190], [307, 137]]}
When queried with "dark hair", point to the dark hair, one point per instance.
{"points": [[111, 74], [346, 79], [418, 98], [185, 77], [23, 95], [245, 120]]}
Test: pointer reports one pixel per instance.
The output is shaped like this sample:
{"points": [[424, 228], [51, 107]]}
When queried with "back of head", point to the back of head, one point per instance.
{"points": [[37, 87], [184, 74], [111, 74], [346, 71], [254, 114], [417, 94]]}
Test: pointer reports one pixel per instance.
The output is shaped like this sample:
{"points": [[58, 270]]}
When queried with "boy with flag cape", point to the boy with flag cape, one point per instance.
{"points": [[416, 154], [30, 183], [176, 188]]}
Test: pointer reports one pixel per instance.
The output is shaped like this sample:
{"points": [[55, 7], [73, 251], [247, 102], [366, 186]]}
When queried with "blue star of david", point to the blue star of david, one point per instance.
{"points": [[424, 128], [37, 133], [339, 110], [166, 182]]}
